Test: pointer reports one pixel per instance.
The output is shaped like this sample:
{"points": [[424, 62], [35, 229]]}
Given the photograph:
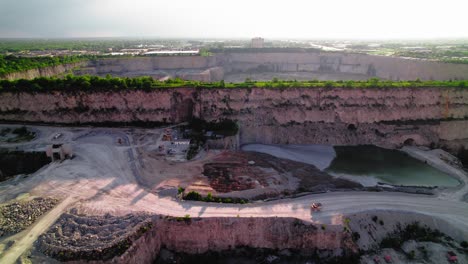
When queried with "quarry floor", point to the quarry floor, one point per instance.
{"points": [[111, 167]]}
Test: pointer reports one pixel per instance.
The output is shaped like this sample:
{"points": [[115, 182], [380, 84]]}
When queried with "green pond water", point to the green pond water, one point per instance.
{"points": [[371, 164]]}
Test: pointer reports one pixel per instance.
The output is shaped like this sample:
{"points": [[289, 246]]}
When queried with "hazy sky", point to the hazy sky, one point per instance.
{"points": [[235, 18]]}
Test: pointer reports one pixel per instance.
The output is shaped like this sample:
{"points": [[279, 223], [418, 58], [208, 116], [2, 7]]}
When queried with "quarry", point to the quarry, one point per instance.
{"points": [[189, 173], [236, 65]]}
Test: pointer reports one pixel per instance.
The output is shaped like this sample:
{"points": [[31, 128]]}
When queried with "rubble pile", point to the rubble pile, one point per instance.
{"points": [[16, 216], [80, 237]]}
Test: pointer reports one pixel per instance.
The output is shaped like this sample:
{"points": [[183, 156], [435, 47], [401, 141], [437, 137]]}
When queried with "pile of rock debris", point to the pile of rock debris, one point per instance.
{"points": [[80, 237], [16, 216]]}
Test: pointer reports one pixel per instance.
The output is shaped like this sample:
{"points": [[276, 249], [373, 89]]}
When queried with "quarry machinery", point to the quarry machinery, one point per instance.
{"points": [[316, 207]]}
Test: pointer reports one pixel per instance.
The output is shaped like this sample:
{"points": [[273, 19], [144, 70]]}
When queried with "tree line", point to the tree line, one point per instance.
{"points": [[109, 83]]}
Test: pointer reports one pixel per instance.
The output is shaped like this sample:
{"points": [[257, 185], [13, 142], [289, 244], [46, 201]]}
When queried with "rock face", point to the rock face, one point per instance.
{"points": [[220, 65], [337, 62], [192, 236], [216, 67], [197, 68], [385, 117], [201, 235], [43, 72]]}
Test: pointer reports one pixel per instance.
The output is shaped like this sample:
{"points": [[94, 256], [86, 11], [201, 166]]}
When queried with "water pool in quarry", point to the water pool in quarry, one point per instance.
{"points": [[387, 166], [367, 164]]}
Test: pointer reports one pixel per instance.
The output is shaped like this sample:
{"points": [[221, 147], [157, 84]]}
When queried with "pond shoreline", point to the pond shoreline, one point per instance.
{"points": [[447, 163]]}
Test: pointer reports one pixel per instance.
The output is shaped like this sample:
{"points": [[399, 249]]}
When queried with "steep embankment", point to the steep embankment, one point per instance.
{"points": [[194, 236], [42, 72], [386, 117], [139, 239]]}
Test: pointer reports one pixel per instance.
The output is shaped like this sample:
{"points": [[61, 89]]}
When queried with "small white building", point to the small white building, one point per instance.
{"points": [[59, 152]]}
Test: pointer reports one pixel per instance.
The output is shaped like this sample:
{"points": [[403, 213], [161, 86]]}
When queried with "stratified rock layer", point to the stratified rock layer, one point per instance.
{"points": [[385, 117], [135, 239]]}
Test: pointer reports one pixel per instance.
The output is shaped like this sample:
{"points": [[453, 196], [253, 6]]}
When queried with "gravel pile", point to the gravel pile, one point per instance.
{"points": [[17, 216], [79, 237]]}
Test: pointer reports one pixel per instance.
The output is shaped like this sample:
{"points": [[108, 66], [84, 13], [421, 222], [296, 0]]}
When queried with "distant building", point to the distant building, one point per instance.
{"points": [[257, 42]]}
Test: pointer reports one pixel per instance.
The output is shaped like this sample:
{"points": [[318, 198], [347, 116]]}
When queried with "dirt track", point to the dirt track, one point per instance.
{"points": [[103, 178]]}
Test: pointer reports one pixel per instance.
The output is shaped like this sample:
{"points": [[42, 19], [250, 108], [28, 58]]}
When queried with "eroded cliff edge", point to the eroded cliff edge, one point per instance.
{"points": [[388, 117]]}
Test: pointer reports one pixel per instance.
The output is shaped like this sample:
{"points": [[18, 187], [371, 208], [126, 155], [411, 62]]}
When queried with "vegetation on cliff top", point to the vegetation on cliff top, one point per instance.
{"points": [[10, 64], [95, 83]]}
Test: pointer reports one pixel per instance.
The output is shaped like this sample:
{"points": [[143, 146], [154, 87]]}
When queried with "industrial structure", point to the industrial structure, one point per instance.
{"points": [[59, 152]]}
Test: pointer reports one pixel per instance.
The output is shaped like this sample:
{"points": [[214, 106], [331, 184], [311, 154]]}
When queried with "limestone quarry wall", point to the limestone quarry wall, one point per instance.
{"points": [[214, 68], [386, 117], [318, 62], [119, 65], [202, 235], [197, 236], [43, 72], [143, 250], [379, 66]]}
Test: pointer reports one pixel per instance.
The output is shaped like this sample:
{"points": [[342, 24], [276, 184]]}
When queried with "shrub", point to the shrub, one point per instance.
{"points": [[328, 84], [412, 231], [209, 197], [194, 196], [186, 218], [180, 190]]}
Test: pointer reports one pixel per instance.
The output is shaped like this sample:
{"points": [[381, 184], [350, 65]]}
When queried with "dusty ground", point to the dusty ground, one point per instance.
{"points": [[106, 176]]}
